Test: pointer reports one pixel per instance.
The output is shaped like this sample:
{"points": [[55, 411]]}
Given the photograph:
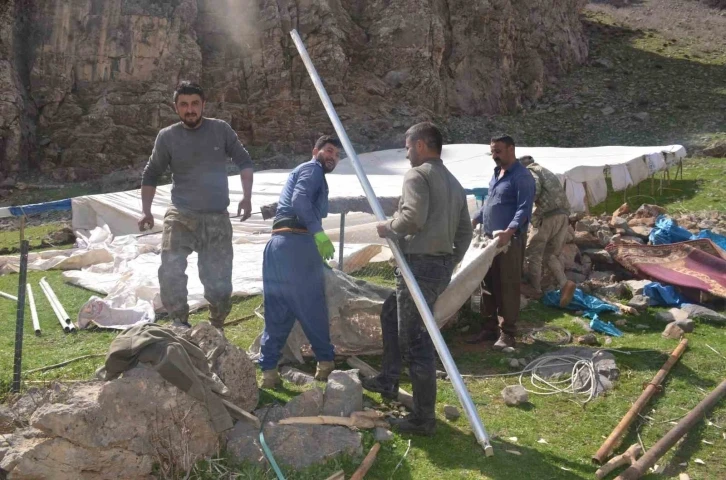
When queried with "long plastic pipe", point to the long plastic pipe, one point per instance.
{"points": [[33, 311], [58, 304], [640, 468], [62, 322], [428, 318], [8, 296], [617, 434]]}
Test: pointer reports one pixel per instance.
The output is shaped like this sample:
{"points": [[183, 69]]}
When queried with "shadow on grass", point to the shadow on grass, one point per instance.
{"points": [[451, 450]]}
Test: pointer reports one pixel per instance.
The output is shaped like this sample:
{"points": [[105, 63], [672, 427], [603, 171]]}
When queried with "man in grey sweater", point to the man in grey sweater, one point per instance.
{"points": [[433, 229], [197, 150]]}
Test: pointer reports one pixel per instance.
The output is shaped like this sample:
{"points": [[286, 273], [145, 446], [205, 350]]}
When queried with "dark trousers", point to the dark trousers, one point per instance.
{"points": [[500, 301], [405, 337]]}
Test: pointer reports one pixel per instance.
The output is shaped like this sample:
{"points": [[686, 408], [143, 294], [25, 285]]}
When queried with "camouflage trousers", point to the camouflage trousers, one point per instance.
{"points": [[210, 235], [544, 245]]}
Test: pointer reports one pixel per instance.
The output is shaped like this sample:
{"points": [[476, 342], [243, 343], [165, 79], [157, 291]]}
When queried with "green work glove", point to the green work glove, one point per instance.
{"points": [[325, 246]]}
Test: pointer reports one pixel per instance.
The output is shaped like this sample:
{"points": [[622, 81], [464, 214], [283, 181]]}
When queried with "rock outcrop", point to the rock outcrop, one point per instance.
{"points": [[87, 83]]}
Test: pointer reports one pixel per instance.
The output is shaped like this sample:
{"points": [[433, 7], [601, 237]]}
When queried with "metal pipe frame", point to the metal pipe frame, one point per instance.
{"points": [[341, 241], [428, 318], [33, 311]]}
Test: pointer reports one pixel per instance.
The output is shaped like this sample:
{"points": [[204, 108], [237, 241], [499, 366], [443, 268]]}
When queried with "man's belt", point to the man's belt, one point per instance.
{"points": [[288, 224]]}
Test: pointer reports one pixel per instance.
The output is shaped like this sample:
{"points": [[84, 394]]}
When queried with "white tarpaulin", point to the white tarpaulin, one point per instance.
{"points": [[470, 163]]}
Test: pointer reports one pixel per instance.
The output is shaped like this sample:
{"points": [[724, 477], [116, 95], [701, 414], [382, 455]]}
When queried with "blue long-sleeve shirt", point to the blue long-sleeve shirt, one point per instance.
{"points": [[305, 196], [509, 204]]}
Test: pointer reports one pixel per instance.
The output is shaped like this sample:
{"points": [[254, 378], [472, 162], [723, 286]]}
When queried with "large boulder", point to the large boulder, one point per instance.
{"points": [[297, 446], [115, 429]]}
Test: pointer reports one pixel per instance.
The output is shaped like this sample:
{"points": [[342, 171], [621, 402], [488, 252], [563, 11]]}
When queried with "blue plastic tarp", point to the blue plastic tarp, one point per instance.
{"points": [[580, 301], [719, 240], [34, 208], [667, 231], [662, 295]]}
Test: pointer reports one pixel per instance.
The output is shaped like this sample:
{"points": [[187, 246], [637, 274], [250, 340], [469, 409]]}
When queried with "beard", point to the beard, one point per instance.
{"points": [[327, 163], [191, 121]]}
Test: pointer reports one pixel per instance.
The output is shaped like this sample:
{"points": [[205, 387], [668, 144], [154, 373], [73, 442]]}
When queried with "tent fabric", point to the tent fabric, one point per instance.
{"points": [[471, 164], [620, 177], [597, 190]]}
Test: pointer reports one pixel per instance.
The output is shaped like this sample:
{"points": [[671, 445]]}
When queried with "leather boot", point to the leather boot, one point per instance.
{"points": [[323, 370], [413, 425], [270, 379]]}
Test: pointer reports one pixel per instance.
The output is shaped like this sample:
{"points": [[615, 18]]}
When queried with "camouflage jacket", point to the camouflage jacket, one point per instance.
{"points": [[549, 196]]}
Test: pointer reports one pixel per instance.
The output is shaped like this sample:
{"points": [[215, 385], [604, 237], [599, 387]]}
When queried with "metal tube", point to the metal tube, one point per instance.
{"points": [[62, 322], [20, 317], [341, 241], [428, 318], [33, 311], [8, 296], [639, 468], [615, 437]]}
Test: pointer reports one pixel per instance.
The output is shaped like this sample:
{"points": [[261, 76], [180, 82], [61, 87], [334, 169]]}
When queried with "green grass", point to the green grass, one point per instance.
{"points": [[35, 235]]}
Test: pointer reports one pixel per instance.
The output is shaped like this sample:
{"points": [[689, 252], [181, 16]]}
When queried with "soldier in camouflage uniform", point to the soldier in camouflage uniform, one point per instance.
{"points": [[547, 237], [197, 150]]}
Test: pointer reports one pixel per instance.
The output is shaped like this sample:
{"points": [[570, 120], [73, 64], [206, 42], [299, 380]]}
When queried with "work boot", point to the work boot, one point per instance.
{"points": [[483, 336], [413, 425], [181, 323], [566, 293], [323, 370], [373, 384], [504, 341], [270, 379]]}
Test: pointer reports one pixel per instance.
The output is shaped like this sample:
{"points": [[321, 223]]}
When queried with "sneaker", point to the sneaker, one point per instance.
{"points": [[566, 293], [414, 426], [373, 384], [323, 370], [504, 341], [270, 379]]}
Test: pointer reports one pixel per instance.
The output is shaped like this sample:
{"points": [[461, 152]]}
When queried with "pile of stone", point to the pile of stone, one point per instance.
{"points": [[124, 427], [588, 264], [121, 428]]}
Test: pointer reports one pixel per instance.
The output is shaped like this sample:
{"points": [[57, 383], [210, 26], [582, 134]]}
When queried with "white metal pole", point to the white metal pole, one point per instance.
{"points": [[33, 311], [441, 348]]}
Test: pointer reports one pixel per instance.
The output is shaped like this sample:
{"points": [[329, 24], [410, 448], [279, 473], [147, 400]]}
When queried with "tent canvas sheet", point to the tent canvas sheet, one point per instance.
{"points": [[470, 163]]}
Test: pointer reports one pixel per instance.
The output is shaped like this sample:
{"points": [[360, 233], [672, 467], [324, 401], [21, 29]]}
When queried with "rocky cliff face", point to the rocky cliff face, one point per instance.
{"points": [[86, 84]]}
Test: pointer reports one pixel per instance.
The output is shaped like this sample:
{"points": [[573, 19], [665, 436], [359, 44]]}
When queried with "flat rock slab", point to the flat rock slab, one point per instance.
{"points": [[697, 311], [603, 363], [672, 315], [296, 446]]}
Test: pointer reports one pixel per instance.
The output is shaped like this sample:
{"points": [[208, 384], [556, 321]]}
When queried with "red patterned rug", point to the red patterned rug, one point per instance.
{"points": [[696, 264]]}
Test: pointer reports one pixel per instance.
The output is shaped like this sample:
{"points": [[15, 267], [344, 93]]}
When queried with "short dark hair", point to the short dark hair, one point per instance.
{"points": [[325, 139], [185, 87], [504, 138], [428, 133]]}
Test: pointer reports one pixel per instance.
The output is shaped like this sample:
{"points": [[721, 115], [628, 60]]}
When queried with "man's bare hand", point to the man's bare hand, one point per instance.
{"points": [[504, 237], [146, 222], [244, 205], [474, 223], [382, 229]]}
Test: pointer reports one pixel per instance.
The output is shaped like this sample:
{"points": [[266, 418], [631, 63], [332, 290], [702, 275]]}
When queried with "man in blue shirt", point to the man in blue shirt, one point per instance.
{"points": [[507, 210], [292, 266]]}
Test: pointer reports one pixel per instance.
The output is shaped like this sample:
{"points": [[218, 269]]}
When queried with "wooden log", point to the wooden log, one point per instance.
{"points": [[367, 463]]}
